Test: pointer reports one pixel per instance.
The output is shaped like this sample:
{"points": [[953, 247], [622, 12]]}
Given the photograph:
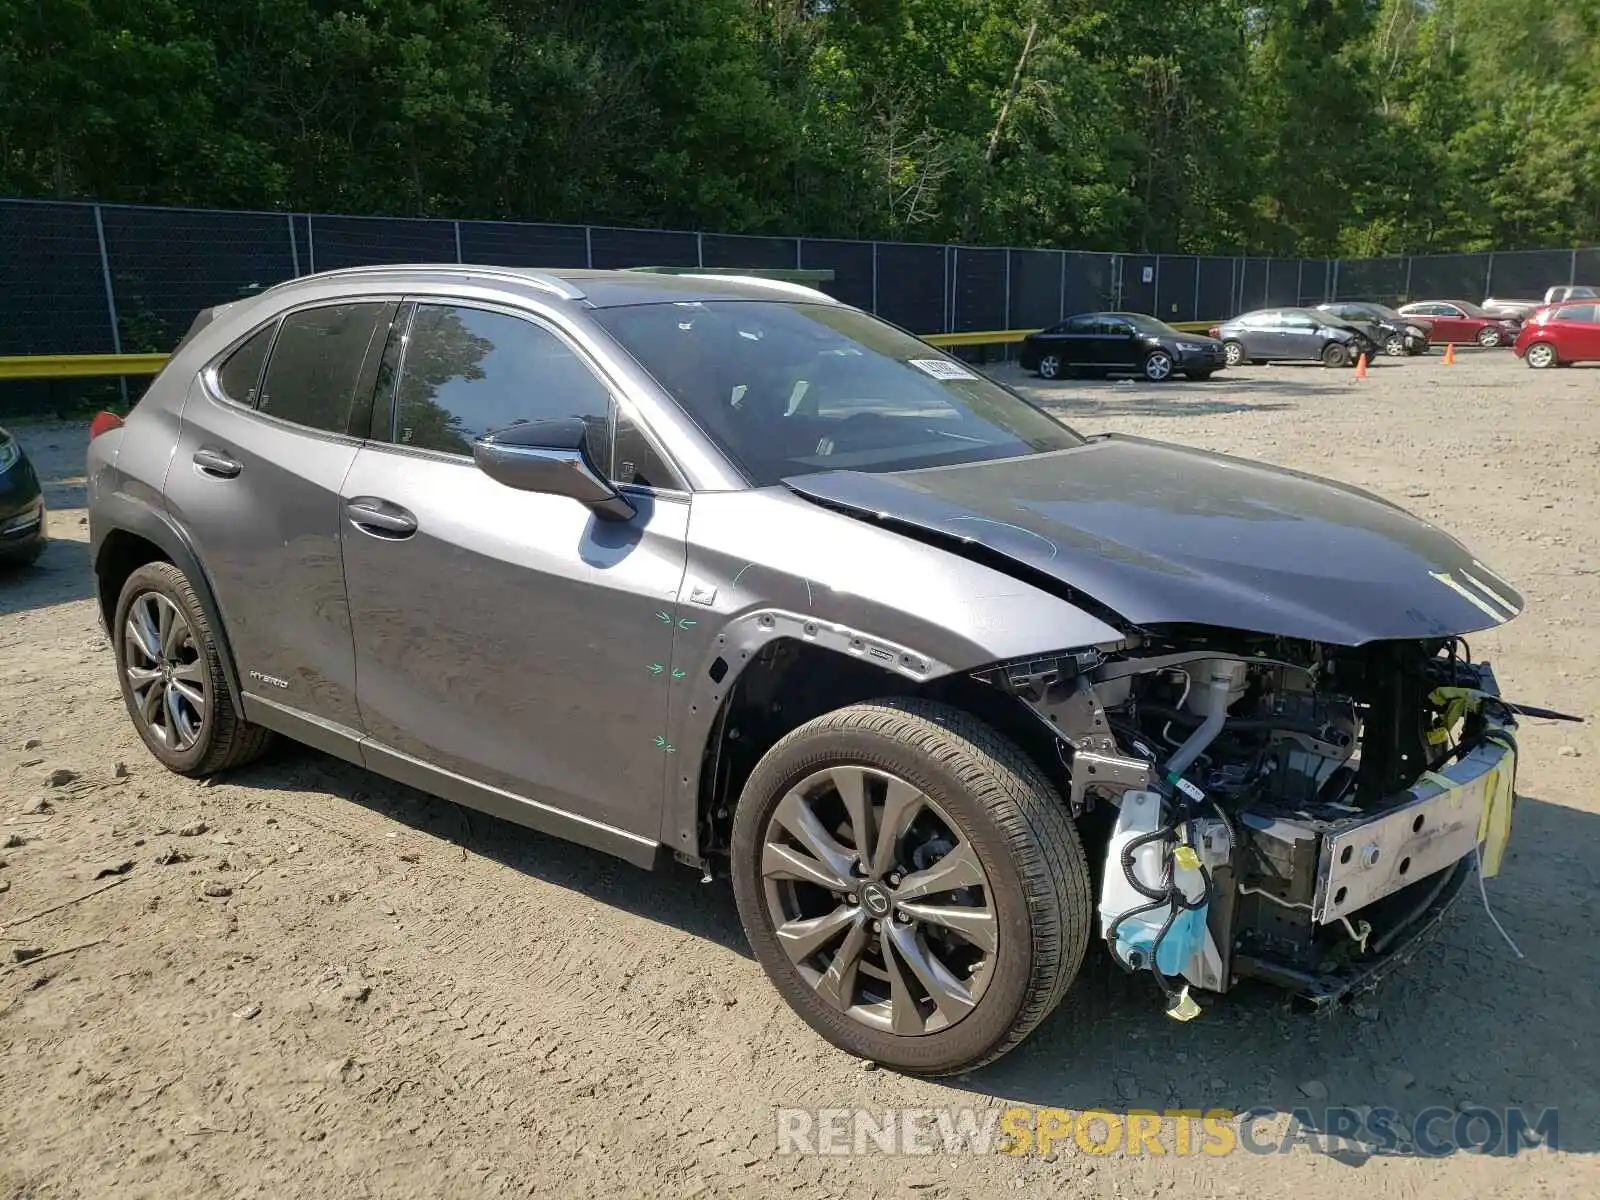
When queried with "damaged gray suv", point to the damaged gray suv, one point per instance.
{"points": [[722, 572]]}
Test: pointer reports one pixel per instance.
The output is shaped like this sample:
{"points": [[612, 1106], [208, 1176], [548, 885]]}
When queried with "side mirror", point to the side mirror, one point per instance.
{"points": [[550, 457]]}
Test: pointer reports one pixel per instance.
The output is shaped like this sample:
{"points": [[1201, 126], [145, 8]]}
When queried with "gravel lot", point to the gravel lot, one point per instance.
{"points": [[312, 982]]}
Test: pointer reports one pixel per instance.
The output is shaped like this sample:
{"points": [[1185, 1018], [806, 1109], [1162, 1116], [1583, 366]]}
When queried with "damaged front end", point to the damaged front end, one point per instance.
{"points": [[1284, 810]]}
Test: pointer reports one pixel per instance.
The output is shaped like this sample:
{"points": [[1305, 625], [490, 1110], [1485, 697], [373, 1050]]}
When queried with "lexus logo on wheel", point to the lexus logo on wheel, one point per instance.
{"points": [[874, 901]]}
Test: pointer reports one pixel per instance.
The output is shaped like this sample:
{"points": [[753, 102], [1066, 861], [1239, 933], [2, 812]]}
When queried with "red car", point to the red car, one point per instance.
{"points": [[1461, 321], [1561, 334]]}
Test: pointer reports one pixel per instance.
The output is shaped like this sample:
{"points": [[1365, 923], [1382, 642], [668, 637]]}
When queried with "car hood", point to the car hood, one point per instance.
{"points": [[1161, 534]]}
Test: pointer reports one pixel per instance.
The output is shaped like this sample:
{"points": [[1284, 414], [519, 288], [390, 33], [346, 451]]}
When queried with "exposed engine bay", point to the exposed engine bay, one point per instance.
{"points": [[1278, 809]]}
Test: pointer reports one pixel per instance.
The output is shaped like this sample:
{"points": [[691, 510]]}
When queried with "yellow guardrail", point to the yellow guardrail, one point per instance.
{"points": [[80, 366], [999, 337], [98, 366]]}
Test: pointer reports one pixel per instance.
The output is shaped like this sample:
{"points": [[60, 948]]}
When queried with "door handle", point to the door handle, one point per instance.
{"points": [[380, 518], [217, 463]]}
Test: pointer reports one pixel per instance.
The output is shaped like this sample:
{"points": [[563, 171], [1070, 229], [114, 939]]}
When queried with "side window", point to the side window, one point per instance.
{"points": [[1299, 321], [1114, 327], [318, 364], [1575, 312], [468, 371], [1447, 310], [240, 373], [1079, 325]]}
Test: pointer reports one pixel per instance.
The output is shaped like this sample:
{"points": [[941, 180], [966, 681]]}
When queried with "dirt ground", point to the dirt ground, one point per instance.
{"points": [[312, 982]]}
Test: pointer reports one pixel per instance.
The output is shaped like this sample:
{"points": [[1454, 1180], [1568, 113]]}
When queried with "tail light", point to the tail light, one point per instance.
{"points": [[104, 422], [1215, 331]]}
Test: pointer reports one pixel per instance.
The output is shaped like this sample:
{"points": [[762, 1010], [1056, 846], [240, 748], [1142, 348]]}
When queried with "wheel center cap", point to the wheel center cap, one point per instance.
{"points": [[166, 672], [875, 900]]}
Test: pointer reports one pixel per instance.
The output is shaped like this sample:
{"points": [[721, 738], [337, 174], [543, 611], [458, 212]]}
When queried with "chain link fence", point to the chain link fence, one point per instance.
{"points": [[107, 278]]}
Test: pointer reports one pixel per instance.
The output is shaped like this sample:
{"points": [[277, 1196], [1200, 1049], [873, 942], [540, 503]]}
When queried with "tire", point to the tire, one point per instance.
{"points": [[1335, 354], [1049, 367], [1395, 345], [1488, 337], [189, 739], [1542, 355], [1157, 366], [1233, 353], [1005, 816], [1199, 376]]}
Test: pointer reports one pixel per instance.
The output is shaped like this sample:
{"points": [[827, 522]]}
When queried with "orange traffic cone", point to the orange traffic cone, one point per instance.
{"points": [[1449, 354], [1361, 367]]}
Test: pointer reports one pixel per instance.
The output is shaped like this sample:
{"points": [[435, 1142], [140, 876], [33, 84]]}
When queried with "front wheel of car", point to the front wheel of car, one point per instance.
{"points": [[911, 883], [1049, 367], [1335, 354], [1232, 353], [1157, 366], [172, 677], [1395, 345], [1488, 337], [1542, 355]]}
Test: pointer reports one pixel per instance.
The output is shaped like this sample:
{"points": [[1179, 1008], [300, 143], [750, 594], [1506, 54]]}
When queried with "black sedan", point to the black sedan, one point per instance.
{"points": [[1396, 334], [21, 504], [1107, 342]]}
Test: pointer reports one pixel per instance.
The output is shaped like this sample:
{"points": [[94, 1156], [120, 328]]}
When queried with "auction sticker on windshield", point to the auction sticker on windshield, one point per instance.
{"points": [[940, 368]]}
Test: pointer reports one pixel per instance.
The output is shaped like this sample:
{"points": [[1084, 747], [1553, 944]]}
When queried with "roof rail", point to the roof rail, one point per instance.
{"points": [[781, 285], [545, 282]]}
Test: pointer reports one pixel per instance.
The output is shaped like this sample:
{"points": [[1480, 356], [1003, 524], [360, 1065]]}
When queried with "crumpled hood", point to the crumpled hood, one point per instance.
{"points": [[1163, 534]]}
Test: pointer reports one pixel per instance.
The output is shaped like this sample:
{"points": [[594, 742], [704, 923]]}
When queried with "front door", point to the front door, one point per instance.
{"points": [[1299, 336], [509, 638], [266, 442], [1117, 345]]}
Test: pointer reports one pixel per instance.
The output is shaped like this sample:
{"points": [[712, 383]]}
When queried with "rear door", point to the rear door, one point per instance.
{"points": [[269, 432], [508, 638]]}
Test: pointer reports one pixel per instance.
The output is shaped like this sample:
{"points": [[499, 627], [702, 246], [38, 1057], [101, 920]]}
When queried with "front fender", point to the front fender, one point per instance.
{"points": [[766, 565]]}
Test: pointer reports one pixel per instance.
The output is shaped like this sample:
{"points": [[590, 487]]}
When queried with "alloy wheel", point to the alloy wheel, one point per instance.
{"points": [[879, 900], [1158, 366], [1049, 367], [1232, 353], [1488, 337], [165, 670], [1541, 355], [1395, 346]]}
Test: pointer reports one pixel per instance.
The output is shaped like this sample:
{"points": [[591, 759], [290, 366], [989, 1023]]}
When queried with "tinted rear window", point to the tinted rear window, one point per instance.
{"points": [[241, 371], [793, 388], [317, 364]]}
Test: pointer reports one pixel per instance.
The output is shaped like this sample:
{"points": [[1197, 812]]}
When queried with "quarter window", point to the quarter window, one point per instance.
{"points": [[317, 364], [469, 371], [240, 372]]}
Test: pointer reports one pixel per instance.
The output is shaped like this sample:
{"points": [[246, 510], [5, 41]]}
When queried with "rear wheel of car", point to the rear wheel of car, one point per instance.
{"points": [[1335, 354], [1542, 355], [911, 884], [1232, 353], [1488, 337], [1395, 345], [1049, 367], [1157, 366], [172, 677]]}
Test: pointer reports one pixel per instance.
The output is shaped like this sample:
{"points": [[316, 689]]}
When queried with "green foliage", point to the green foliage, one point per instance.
{"points": [[1350, 127]]}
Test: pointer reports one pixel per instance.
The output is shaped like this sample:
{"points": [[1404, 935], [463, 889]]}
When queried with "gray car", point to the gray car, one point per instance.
{"points": [[1292, 334], [721, 572]]}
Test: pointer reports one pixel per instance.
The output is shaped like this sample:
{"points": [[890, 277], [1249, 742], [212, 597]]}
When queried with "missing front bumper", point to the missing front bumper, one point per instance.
{"points": [[1388, 948]]}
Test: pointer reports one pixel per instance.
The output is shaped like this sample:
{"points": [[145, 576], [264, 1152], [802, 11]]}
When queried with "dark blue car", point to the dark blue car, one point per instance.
{"points": [[21, 504]]}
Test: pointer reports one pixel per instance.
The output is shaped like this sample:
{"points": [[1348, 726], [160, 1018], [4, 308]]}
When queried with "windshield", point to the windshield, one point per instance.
{"points": [[792, 389], [1147, 324]]}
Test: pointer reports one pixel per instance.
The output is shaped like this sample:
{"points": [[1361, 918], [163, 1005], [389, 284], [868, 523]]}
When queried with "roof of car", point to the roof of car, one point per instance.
{"points": [[593, 288]]}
